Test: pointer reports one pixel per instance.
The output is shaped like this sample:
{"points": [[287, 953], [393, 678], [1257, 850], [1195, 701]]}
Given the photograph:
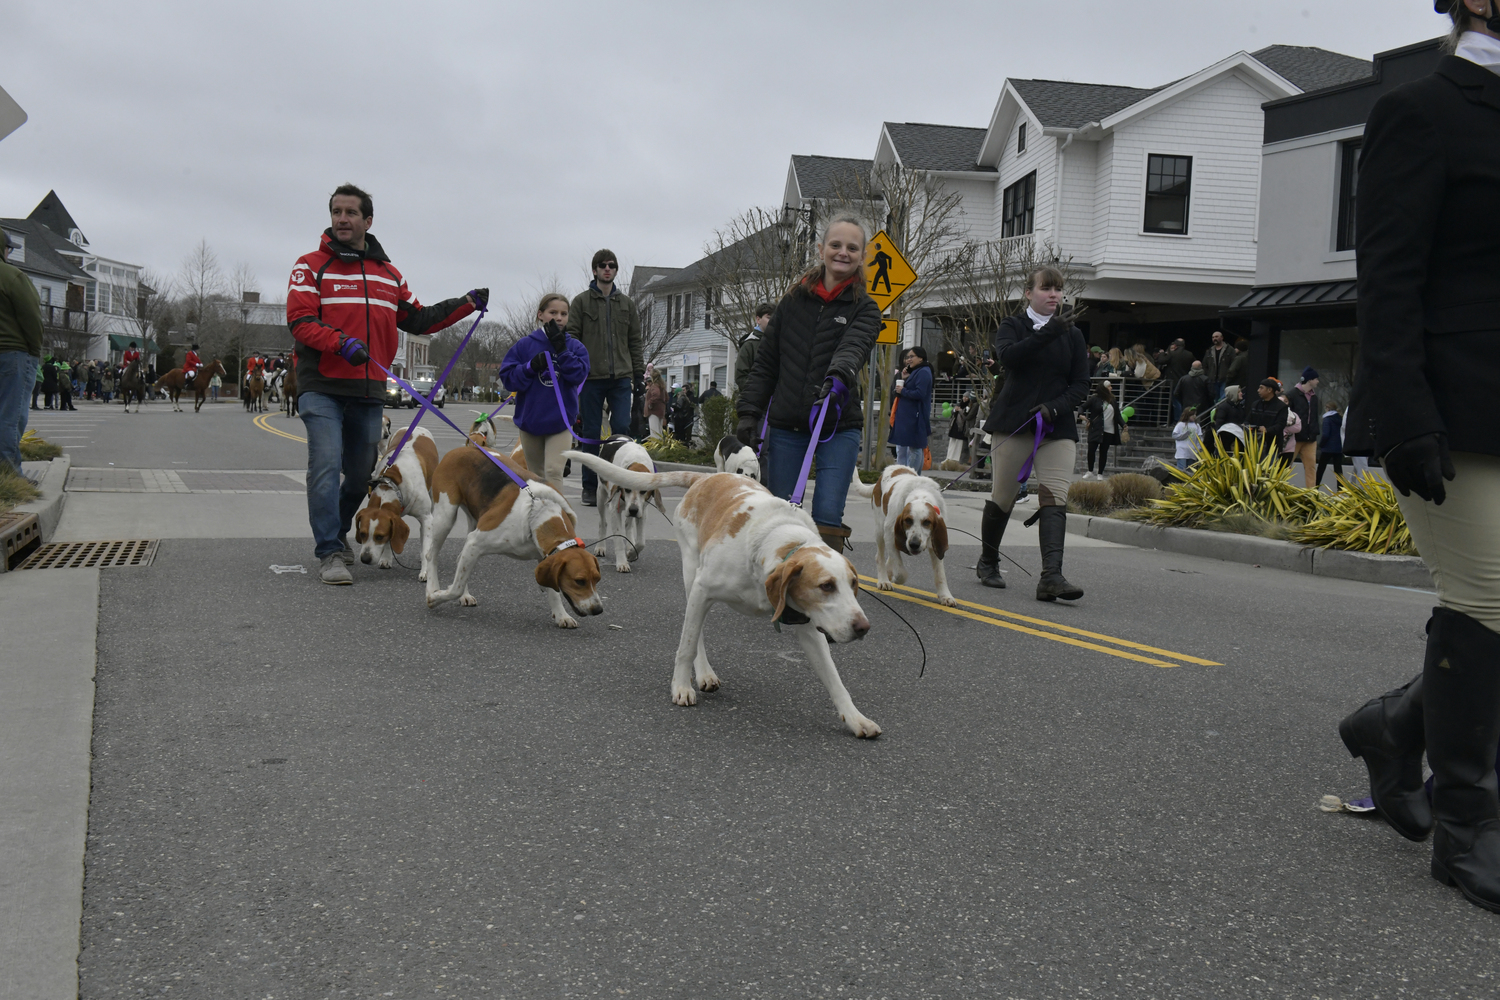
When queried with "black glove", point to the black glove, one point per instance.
{"points": [[1061, 322], [1419, 466], [557, 337], [480, 297], [638, 385], [539, 363], [353, 351], [1042, 409], [748, 431]]}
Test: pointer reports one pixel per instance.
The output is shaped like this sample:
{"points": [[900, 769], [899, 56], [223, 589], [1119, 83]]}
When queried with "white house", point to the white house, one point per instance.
{"points": [[1152, 192], [1301, 310], [676, 325]]}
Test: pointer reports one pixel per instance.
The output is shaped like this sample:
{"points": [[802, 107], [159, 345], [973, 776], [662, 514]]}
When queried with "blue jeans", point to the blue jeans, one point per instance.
{"points": [[836, 459], [591, 400], [343, 433], [17, 376], [909, 456]]}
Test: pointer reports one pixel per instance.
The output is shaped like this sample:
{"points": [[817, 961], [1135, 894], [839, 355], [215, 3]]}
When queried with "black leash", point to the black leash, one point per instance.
{"points": [[971, 534], [922, 645]]}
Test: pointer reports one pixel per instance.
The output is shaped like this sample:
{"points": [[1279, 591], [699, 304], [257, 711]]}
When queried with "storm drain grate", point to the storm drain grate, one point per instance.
{"points": [[92, 555]]}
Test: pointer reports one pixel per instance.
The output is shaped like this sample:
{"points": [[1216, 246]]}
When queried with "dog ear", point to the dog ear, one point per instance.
{"points": [[399, 534], [899, 528], [660, 505], [362, 525], [548, 572], [778, 583], [939, 534]]}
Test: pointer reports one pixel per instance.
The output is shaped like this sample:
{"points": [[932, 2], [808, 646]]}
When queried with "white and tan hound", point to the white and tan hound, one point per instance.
{"points": [[531, 524], [761, 556], [399, 492], [622, 511], [912, 518]]}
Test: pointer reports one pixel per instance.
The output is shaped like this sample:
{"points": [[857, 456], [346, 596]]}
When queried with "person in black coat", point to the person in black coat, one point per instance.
{"points": [[1428, 246], [1268, 414], [1047, 376], [817, 342]]}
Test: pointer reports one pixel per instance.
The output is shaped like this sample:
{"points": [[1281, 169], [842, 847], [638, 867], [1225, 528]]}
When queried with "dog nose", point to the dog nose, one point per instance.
{"points": [[861, 626], [366, 558]]}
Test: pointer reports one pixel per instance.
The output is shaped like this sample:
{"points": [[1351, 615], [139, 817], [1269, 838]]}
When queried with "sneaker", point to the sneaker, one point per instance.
{"points": [[331, 569], [589, 500], [347, 554]]}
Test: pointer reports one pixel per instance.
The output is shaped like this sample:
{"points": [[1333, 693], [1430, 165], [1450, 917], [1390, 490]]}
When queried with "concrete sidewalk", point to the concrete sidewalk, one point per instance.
{"points": [[46, 720]]}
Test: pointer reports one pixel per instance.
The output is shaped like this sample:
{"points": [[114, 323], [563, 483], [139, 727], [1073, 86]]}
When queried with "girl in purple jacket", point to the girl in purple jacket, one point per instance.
{"points": [[542, 426]]}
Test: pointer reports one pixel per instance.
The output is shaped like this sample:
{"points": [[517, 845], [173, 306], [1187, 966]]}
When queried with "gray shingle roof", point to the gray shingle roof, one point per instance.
{"points": [[1313, 68], [641, 275], [937, 147], [1058, 104], [42, 257], [759, 249], [825, 176], [51, 213]]}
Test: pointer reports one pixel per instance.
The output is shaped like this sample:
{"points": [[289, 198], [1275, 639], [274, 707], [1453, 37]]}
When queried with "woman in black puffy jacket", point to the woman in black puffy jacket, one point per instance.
{"points": [[1047, 368], [817, 341]]}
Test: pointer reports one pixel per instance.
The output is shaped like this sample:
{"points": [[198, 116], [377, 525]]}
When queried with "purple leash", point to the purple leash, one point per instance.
{"points": [[812, 447], [446, 372], [427, 404], [561, 409], [1043, 428]]}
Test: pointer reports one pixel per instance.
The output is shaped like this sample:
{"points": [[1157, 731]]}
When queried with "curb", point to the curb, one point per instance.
{"points": [[49, 508], [1363, 567]]}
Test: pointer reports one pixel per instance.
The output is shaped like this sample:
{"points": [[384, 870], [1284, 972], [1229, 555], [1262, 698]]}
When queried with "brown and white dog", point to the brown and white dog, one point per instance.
{"points": [[534, 523], [622, 511], [912, 518], [482, 431], [398, 492], [761, 556]]}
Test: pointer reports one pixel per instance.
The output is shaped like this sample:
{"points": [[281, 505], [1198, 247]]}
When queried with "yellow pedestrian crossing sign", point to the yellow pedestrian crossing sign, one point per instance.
{"points": [[890, 332], [887, 274]]}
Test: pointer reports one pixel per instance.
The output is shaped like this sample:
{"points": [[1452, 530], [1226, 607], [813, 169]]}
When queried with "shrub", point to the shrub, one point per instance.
{"points": [[15, 488], [1363, 517], [34, 449], [1240, 481], [1131, 489], [716, 417], [1089, 497]]}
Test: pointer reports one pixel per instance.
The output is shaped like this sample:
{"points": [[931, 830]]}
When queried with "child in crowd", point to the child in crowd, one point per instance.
{"points": [[1187, 434], [542, 427]]}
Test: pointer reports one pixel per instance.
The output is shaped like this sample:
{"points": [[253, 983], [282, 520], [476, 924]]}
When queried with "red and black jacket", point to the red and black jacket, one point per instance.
{"points": [[337, 291]]}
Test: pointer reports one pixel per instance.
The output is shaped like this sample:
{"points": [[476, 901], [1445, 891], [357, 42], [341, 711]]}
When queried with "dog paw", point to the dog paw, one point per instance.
{"points": [[564, 621], [708, 681], [468, 600], [684, 695], [948, 600], [622, 567], [885, 585], [899, 576], [434, 599], [422, 577], [385, 565], [634, 554], [864, 728]]}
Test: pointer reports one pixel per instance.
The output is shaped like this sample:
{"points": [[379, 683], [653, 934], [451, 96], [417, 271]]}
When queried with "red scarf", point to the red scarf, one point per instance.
{"points": [[828, 295]]}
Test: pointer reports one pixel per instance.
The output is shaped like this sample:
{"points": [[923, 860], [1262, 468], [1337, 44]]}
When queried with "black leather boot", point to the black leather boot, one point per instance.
{"points": [[1461, 712], [991, 530], [1051, 532], [1387, 732]]}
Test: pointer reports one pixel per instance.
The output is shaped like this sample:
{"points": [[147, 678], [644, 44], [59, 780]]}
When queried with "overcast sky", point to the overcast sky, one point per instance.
{"points": [[505, 142]]}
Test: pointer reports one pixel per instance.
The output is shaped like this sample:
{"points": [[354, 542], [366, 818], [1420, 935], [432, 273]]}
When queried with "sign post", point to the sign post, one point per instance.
{"points": [[888, 275]]}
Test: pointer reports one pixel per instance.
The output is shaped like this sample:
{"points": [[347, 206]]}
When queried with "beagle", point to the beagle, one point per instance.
{"points": [[622, 511], [397, 493], [385, 432], [482, 430], [534, 523], [912, 518], [761, 556], [731, 456]]}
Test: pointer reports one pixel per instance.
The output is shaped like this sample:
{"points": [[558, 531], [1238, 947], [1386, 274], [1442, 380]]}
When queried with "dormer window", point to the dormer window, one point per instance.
{"points": [[1021, 139], [75, 236]]}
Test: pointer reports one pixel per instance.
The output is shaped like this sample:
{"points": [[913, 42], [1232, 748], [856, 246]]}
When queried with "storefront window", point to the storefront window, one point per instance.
{"points": [[1333, 352]]}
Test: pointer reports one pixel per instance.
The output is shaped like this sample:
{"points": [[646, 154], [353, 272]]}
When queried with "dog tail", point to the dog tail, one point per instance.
{"points": [[612, 473], [859, 486]]}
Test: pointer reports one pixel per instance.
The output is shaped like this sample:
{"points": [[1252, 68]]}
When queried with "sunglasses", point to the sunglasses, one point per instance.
{"points": [[609, 264]]}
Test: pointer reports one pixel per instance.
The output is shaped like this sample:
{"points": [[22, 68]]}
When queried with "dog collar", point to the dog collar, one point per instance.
{"points": [[567, 543], [386, 481]]}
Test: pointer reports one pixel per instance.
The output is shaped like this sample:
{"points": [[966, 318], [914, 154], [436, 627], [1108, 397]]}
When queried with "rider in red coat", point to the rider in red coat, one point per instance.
{"points": [[190, 364], [132, 353]]}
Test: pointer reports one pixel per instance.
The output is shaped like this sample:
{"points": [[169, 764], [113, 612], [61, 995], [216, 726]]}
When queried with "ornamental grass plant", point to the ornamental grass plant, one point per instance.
{"points": [[1362, 516], [15, 489], [34, 449], [1230, 485]]}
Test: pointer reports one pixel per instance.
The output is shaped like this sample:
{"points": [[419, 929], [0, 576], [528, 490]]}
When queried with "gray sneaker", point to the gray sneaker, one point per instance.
{"points": [[348, 554], [331, 569]]}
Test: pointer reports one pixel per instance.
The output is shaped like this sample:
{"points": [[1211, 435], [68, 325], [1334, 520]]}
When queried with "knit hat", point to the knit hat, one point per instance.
{"points": [[1309, 373], [1271, 383]]}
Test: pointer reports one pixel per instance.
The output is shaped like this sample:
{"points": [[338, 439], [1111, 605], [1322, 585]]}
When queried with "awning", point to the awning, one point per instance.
{"points": [[120, 341], [1270, 298]]}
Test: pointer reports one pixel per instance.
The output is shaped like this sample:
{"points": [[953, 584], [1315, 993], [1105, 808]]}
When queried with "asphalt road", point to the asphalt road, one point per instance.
{"points": [[307, 791]]}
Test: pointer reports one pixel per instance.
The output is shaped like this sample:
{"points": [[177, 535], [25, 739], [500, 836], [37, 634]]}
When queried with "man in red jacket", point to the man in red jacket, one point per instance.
{"points": [[344, 305]]}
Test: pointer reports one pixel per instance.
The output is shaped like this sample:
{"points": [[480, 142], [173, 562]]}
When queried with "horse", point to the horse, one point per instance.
{"points": [[175, 381], [289, 390], [255, 388], [132, 385]]}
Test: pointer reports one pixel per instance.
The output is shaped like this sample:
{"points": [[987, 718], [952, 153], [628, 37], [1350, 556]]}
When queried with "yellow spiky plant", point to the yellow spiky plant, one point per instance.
{"points": [[1235, 483], [1362, 516]]}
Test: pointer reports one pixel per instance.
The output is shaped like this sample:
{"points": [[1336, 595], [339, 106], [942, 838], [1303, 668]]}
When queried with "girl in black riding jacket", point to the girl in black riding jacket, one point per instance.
{"points": [[1047, 369], [817, 341]]}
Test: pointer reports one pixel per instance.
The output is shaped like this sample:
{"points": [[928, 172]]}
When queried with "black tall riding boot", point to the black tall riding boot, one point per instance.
{"points": [[991, 530], [1051, 532], [1461, 711], [1388, 733]]}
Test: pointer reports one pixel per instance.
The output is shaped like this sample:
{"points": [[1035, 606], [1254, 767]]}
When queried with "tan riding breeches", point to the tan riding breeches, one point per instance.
{"points": [[1306, 452], [544, 454], [1460, 541], [1054, 470]]}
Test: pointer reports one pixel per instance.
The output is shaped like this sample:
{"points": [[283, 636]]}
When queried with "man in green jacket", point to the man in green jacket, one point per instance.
{"points": [[605, 319], [20, 356], [744, 353]]}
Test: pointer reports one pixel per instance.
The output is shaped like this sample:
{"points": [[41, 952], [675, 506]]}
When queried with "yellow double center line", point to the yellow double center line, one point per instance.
{"points": [[260, 421], [994, 616]]}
